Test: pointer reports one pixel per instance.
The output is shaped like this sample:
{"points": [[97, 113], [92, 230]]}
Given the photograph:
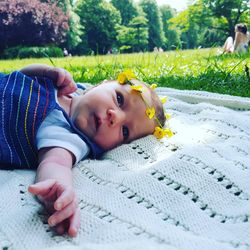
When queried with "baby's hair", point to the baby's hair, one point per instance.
{"points": [[159, 110], [242, 28]]}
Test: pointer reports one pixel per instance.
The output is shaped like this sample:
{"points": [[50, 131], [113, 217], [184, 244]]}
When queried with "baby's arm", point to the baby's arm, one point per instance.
{"points": [[61, 77], [55, 189]]}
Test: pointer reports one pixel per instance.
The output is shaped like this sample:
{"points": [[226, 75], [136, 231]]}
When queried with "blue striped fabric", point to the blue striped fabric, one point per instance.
{"points": [[24, 104]]}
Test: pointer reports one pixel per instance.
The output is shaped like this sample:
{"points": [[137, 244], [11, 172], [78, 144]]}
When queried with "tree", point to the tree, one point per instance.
{"points": [[196, 27], [139, 24], [188, 29], [231, 11], [99, 19], [25, 22], [127, 10], [75, 30], [172, 37], [207, 33], [125, 38], [134, 37], [156, 35]]}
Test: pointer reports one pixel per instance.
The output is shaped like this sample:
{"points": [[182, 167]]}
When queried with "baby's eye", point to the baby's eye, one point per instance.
{"points": [[120, 99], [125, 132]]}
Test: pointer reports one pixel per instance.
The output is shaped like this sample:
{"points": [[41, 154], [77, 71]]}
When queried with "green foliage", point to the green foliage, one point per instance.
{"points": [[11, 52], [139, 24], [127, 10], [96, 26], [155, 29], [134, 37], [125, 38], [201, 69], [99, 19], [233, 11], [75, 32], [32, 52], [189, 29], [197, 27], [172, 37], [180, 21]]}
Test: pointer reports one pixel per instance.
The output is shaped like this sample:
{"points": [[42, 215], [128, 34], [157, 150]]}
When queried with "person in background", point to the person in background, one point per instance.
{"points": [[241, 41], [65, 52]]}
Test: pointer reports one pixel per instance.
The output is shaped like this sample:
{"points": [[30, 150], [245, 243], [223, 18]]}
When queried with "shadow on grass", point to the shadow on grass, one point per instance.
{"points": [[222, 57], [218, 82]]}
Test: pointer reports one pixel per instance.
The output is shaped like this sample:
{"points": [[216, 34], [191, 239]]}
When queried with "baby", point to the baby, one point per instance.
{"points": [[45, 125]]}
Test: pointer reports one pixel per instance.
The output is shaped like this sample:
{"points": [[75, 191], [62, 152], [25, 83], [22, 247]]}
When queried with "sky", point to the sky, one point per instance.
{"points": [[176, 4]]}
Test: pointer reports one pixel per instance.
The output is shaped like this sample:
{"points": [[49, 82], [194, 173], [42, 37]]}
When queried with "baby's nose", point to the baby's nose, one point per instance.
{"points": [[115, 117]]}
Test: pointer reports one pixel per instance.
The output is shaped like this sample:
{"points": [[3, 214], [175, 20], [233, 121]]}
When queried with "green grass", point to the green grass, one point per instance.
{"points": [[204, 69]]}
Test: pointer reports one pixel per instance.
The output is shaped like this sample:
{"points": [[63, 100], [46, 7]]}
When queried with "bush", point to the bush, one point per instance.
{"points": [[11, 53], [32, 52], [31, 23]]}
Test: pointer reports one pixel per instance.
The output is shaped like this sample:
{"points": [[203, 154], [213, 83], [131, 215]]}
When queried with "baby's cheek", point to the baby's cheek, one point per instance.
{"points": [[108, 140], [82, 124]]}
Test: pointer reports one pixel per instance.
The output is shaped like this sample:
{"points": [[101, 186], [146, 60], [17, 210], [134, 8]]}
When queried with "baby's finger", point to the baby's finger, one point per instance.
{"points": [[64, 199], [74, 223], [61, 228], [61, 74], [68, 86], [42, 187], [67, 89], [63, 77], [63, 214]]}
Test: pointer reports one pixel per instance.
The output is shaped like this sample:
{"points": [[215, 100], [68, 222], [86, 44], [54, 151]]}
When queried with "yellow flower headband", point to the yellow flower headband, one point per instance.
{"points": [[159, 131]]}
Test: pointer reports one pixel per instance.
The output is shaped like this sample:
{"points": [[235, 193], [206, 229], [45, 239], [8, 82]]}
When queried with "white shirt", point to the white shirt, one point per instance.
{"points": [[55, 131]]}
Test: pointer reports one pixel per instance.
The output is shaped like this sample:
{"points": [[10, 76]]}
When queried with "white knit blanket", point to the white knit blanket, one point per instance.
{"points": [[185, 193]]}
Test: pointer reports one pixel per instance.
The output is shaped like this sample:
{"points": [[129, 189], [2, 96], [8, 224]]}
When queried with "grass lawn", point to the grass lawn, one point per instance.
{"points": [[203, 69]]}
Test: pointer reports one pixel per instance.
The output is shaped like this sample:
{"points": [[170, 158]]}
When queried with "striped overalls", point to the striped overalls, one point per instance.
{"points": [[24, 104]]}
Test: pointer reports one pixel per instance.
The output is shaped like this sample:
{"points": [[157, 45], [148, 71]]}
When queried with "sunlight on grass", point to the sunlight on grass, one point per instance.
{"points": [[200, 69]]}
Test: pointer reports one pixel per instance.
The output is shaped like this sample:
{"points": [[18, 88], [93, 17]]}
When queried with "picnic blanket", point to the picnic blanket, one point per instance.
{"points": [[191, 191]]}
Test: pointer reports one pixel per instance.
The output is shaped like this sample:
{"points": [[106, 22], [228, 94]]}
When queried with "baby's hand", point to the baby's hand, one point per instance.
{"points": [[61, 202], [62, 79]]}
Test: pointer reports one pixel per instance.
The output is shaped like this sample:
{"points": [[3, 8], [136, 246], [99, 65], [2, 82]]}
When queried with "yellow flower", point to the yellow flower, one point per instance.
{"points": [[122, 79], [159, 133], [168, 116], [136, 88], [129, 74], [153, 86], [168, 132], [125, 76], [163, 99], [150, 112]]}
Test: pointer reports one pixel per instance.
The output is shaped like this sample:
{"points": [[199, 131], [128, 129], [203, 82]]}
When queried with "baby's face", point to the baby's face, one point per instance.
{"points": [[111, 114]]}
